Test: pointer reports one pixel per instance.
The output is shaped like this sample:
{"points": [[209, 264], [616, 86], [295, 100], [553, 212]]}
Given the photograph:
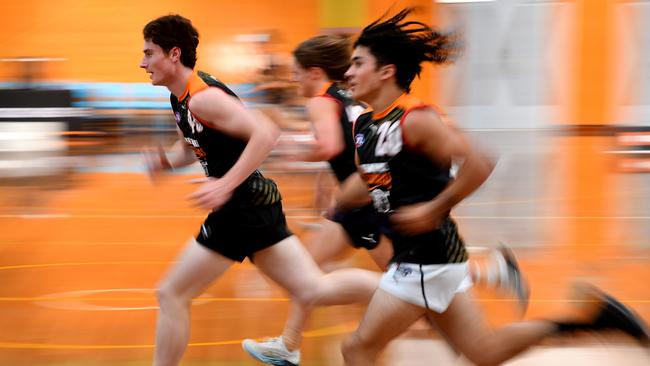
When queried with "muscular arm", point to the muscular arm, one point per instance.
{"points": [[227, 115], [428, 135], [352, 193]]}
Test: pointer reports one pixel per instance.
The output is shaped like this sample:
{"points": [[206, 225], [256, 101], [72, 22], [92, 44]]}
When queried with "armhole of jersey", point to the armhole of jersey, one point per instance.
{"points": [[338, 102], [204, 123], [353, 131], [403, 119]]}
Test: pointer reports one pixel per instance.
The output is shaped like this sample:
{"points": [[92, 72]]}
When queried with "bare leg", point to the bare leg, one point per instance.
{"points": [[290, 265], [464, 325], [197, 268], [309, 287], [382, 253], [386, 318], [331, 243], [296, 323]]}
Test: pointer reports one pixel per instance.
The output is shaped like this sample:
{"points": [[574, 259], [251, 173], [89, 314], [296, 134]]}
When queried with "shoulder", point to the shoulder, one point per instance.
{"points": [[421, 114], [212, 100], [322, 103], [421, 124]]}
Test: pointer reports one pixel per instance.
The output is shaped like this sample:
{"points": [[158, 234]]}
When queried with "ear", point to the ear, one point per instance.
{"points": [[316, 73], [175, 54], [387, 71]]}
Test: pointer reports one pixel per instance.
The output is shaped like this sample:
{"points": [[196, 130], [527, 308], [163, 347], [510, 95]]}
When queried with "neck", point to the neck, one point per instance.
{"points": [[320, 85], [179, 83], [384, 97]]}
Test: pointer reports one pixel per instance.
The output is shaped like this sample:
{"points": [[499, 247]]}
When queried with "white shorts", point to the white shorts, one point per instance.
{"points": [[441, 283]]}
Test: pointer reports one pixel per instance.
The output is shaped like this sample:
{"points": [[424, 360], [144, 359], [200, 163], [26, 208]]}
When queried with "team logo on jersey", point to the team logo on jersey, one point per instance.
{"points": [[359, 139], [178, 117]]}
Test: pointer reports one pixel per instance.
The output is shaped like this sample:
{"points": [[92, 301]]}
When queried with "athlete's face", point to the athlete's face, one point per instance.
{"points": [[158, 64], [305, 79], [364, 77]]}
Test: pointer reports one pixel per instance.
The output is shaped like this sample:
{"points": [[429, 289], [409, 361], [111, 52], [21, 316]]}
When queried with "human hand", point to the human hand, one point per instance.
{"points": [[211, 194], [419, 218], [155, 161]]}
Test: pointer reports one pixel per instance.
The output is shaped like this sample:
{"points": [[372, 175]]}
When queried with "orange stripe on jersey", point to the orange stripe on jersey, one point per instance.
{"points": [[405, 102], [194, 85], [323, 91], [378, 180]]}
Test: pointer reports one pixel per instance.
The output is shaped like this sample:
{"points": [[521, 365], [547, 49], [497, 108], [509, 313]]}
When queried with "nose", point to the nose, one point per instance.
{"points": [[348, 73], [143, 64]]}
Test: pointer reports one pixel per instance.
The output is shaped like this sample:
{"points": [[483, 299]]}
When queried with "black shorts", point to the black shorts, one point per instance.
{"points": [[362, 225], [238, 232], [443, 245]]}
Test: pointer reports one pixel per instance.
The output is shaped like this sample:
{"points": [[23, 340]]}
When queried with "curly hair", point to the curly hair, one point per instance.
{"points": [[171, 31], [406, 44]]}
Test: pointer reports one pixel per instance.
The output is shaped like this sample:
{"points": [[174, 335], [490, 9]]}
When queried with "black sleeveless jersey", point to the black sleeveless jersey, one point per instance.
{"points": [[218, 152], [343, 164], [397, 176]]}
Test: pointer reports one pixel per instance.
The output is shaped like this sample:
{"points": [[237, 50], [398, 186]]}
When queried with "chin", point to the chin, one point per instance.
{"points": [[356, 95]]}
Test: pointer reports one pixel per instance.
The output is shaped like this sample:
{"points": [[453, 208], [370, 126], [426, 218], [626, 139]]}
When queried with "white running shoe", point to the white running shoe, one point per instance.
{"points": [[511, 279], [272, 351]]}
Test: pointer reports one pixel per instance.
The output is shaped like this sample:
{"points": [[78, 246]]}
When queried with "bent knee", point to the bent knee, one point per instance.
{"points": [[349, 345], [307, 298], [481, 358], [355, 349], [166, 295]]}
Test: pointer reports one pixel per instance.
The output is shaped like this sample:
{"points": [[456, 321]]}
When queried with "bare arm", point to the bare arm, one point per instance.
{"points": [[227, 115], [157, 160], [328, 142], [353, 193], [180, 154], [441, 143]]}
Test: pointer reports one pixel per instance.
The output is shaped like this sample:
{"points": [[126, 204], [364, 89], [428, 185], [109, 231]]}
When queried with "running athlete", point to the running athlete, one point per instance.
{"points": [[319, 66], [246, 218], [405, 152]]}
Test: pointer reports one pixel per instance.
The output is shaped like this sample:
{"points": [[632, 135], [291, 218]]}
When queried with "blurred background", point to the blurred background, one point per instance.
{"points": [[558, 90]]}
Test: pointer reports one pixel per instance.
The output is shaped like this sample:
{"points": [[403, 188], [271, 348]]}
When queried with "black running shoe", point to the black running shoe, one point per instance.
{"points": [[611, 314]]}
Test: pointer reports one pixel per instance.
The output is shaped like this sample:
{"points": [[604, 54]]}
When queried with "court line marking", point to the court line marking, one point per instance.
{"points": [[281, 299], [321, 332], [158, 217], [202, 299], [181, 242], [43, 265], [79, 300]]}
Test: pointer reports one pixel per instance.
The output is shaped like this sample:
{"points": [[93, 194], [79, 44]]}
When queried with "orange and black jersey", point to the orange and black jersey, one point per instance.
{"points": [[343, 164], [396, 175], [218, 152]]}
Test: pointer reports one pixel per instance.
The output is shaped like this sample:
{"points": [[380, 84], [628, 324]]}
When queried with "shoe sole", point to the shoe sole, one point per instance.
{"points": [[635, 326], [266, 360]]}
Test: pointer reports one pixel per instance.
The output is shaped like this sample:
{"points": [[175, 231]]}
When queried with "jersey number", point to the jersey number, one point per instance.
{"points": [[389, 141]]}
